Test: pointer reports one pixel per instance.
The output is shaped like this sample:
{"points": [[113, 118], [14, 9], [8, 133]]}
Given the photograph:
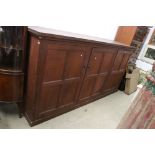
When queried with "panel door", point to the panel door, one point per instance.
{"points": [[118, 70], [99, 67], [62, 68]]}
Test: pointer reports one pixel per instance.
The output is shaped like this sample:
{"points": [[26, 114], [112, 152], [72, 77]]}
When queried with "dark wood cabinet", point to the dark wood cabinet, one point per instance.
{"points": [[117, 71], [65, 72], [12, 64], [11, 87], [99, 66], [62, 68]]}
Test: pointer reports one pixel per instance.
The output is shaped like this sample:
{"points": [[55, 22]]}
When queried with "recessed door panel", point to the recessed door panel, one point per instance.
{"points": [[94, 63], [98, 69], [98, 84], [118, 61], [87, 88], [118, 71], [125, 61], [107, 62], [74, 63], [113, 81], [68, 93], [62, 69], [49, 98], [54, 65]]}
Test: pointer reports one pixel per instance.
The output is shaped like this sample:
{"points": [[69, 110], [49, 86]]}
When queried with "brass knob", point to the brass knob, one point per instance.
{"points": [[38, 42]]}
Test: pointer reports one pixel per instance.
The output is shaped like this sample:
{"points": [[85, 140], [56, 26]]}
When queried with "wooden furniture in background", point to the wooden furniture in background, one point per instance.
{"points": [[132, 36], [12, 64], [125, 34], [67, 70]]}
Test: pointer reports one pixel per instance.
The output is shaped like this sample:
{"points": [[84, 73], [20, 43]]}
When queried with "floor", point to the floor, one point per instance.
{"points": [[105, 113]]}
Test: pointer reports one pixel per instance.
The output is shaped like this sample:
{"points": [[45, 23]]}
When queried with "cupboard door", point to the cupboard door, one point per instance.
{"points": [[62, 69], [99, 66], [13, 83], [118, 71]]}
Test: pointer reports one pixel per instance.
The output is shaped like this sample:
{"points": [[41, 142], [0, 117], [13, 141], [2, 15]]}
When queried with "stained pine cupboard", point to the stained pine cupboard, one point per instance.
{"points": [[66, 71]]}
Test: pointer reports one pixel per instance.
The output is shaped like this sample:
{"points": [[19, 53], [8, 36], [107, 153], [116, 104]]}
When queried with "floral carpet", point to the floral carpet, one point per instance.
{"points": [[141, 114]]}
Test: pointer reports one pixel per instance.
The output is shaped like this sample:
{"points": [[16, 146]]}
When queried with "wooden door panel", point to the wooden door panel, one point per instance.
{"points": [[118, 61], [91, 75], [49, 98], [117, 72], [13, 83], [54, 65], [68, 93], [62, 70], [113, 82], [94, 63], [116, 79], [125, 61], [74, 64], [87, 88], [108, 85], [99, 67], [107, 62], [99, 83]]}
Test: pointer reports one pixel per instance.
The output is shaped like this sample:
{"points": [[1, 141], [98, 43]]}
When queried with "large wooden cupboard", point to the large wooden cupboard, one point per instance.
{"points": [[66, 71]]}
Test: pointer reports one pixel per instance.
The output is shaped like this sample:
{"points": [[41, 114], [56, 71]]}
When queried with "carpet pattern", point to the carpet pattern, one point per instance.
{"points": [[105, 113], [141, 114]]}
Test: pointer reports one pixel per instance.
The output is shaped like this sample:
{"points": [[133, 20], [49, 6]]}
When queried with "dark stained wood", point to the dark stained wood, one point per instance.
{"points": [[57, 34], [117, 71], [62, 67], [11, 87], [32, 77], [99, 67], [65, 74], [12, 78]]}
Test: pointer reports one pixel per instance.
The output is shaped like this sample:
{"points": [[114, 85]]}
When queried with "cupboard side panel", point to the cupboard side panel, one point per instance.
{"points": [[32, 78]]}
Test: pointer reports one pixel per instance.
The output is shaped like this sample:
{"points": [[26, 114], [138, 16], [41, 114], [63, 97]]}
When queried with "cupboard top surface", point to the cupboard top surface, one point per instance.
{"points": [[48, 32]]}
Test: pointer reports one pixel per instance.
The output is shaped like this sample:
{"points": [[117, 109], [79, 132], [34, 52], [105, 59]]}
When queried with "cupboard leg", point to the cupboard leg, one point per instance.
{"points": [[20, 111]]}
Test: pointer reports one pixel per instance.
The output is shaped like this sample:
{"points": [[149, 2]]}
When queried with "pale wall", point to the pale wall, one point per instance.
{"points": [[97, 30]]}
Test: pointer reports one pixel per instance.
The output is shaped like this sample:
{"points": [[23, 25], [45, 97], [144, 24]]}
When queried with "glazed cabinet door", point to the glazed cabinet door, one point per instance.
{"points": [[118, 71], [98, 69], [62, 68]]}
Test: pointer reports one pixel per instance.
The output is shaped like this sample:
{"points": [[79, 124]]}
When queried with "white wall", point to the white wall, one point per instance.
{"points": [[82, 16], [96, 30]]}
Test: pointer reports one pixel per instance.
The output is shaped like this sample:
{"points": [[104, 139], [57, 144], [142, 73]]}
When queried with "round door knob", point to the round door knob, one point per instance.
{"points": [[38, 42]]}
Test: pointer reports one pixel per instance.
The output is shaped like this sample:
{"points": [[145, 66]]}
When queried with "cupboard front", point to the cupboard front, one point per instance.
{"points": [[65, 75]]}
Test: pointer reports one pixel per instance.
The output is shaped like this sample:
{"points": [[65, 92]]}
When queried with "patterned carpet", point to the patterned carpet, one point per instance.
{"points": [[141, 113], [105, 113]]}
